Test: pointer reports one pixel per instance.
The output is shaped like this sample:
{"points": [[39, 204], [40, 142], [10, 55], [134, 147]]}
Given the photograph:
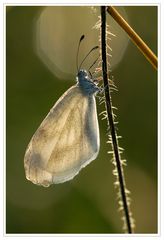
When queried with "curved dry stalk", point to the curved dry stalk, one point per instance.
{"points": [[142, 46]]}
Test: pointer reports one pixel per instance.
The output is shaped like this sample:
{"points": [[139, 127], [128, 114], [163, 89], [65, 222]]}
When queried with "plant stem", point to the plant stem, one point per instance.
{"points": [[111, 120], [147, 52]]}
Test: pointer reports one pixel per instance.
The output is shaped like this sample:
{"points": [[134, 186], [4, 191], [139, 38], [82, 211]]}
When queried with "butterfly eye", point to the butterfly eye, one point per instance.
{"points": [[95, 81]]}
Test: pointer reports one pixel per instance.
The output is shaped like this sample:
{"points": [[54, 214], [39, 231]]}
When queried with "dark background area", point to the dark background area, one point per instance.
{"points": [[87, 204]]}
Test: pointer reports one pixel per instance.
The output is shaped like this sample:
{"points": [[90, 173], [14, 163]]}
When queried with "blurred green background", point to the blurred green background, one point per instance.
{"points": [[87, 204]]}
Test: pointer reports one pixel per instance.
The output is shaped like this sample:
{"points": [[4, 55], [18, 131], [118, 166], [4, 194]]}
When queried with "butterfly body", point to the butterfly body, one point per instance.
{"points": [[87, 86], [68, 138]]}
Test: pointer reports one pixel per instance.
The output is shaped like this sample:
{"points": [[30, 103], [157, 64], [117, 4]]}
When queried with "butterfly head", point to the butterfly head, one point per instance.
{"points": [[85, 82]]}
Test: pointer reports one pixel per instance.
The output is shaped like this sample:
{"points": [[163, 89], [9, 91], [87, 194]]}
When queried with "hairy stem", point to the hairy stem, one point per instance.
{"points": [[147, 52], [111, 121]]}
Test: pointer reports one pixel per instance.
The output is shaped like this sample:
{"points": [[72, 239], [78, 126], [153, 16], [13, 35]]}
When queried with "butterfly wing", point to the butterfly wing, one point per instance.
{"points": [[66, 141]]}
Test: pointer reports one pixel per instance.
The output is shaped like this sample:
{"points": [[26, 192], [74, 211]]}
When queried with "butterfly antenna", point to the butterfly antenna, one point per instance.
{"points": [[94, 48], [93, 63], [77, 56]]}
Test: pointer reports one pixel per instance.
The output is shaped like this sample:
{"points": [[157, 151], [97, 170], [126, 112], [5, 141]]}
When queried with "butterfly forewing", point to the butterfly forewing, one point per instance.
{"points": [[66, 141]]}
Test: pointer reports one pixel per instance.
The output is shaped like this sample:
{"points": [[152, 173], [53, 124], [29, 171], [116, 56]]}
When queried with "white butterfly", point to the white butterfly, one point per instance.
{"points": [[68, 138]]}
